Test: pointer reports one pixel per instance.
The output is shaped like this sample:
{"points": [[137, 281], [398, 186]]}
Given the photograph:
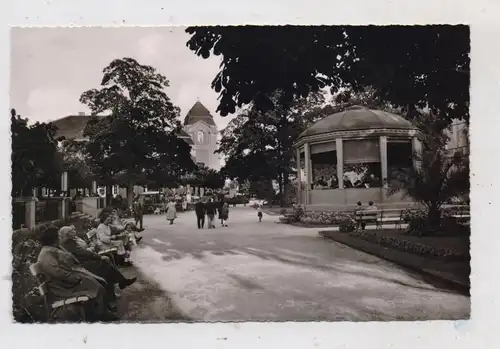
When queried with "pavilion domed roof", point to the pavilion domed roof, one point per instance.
{"points": [[357, 118]]}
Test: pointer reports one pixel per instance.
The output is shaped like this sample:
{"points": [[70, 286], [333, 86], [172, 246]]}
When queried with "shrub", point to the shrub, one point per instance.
{"points": [[419, 225], [347, 226], [298, 213], [417, 222]]}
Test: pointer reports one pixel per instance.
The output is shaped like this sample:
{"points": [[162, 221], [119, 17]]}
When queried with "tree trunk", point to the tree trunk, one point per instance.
{"points": [[286, 182], [280, 185], [130, 193], [434, 218], [109, 195]]}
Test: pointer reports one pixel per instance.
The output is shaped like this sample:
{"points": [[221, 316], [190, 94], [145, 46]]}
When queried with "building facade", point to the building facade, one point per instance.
{"points": [[200, 126], [459, 137]]}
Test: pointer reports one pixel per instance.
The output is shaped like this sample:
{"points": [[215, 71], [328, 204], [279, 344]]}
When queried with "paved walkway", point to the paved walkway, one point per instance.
{"points": [[253, 271]]}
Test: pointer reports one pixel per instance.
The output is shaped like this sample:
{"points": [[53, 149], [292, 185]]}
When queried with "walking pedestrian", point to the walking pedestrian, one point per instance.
{"points": [[200, 214], [224, 214], [259, 213], [171, 211], [138, 213], [210, 211]]}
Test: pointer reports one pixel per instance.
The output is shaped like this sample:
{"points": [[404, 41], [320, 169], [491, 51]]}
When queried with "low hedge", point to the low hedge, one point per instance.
{"points": [[27, 303]]}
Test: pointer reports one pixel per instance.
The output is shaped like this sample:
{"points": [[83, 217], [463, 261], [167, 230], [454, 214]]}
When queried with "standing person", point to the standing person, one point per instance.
{"points": [[210, 210], [171, 211], [200, 214], [224, 214], [184, 204], [138, 213], [259, 213]]}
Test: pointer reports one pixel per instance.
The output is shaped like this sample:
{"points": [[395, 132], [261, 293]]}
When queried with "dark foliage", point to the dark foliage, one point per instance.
{"points": [[409, 66], [35, 162], [137, 139]]}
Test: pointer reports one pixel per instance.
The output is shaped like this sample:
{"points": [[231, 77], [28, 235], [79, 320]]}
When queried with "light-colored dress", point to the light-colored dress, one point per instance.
{"points": [[104, 239], [171, 211]]}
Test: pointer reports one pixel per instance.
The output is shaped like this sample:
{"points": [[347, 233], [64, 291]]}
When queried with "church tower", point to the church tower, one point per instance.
{"points": [[200, 125]]}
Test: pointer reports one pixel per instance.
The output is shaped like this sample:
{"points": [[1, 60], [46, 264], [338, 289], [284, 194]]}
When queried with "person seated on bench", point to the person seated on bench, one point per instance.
{"points": [[371, 207], [118, 226], [66, 278], [99, 265], [106, 240]]}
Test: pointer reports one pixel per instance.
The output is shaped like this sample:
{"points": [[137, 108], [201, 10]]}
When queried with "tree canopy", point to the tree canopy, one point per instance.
{"points": [[409, 66], [137, 137], [440, 176], [205, 177], [35, 162], [259, 145]]}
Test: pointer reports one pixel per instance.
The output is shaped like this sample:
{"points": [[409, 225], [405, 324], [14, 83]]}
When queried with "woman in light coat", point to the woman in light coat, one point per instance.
{"points": [[171, 211], [106, 240]]}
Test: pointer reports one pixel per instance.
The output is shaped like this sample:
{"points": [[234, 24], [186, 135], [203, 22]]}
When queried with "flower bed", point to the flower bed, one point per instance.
{"points": [[27, 302], [325, 218], [405, 245]]}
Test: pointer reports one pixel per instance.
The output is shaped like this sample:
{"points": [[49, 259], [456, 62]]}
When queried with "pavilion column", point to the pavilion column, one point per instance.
{"points": [[64, 193], [416, 149], [340, 162], [308, 170], [299, 181], [383, 160]]}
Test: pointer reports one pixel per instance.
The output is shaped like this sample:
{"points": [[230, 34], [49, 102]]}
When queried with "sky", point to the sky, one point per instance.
{"points": [[51, 67]]}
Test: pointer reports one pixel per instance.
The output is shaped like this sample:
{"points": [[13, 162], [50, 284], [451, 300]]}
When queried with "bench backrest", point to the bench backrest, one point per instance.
{"points": [[40, 278]]}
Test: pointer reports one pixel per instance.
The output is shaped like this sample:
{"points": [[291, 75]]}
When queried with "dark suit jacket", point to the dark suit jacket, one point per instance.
{"points": [[200, 208], [89, 260], [210, 208]]}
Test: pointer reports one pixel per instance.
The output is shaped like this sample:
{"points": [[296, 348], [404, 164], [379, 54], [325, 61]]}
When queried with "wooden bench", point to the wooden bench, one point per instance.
{"points": [[380, 217], [461, 213], [78, 302]]}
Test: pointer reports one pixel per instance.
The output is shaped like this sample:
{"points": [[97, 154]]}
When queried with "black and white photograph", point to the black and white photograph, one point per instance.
{"points": [[240, 173]]}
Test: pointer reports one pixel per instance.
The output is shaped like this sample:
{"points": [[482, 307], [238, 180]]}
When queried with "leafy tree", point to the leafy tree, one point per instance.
{"points": [[439, 177], [259, 145], [411, 67], [137, 139], [206, 178], [262, 190], [76, 162], [34, 156]]}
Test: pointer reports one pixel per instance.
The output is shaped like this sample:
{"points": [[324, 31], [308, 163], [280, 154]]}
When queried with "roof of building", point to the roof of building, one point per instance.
{"points": [[198, 112], [185, 136], [73, 126], [357, 118]]}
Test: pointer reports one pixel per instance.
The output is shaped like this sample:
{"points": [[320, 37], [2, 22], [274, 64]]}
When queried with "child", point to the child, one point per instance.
{"points": [[259, 213], [130, 234]]}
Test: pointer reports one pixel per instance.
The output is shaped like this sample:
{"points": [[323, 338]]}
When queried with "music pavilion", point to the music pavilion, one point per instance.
{"points": [[349, 157]]}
